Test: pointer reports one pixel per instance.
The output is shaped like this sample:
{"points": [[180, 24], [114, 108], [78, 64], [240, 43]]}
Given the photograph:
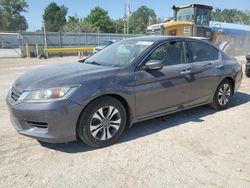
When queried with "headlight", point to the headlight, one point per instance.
{"points": [[48, 95]]}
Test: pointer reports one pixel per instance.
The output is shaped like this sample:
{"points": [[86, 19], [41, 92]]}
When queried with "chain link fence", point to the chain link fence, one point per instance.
{"points": [[10, 45], [35, 42]]}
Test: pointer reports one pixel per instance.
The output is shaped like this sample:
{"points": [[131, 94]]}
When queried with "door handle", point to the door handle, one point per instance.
{"points": [[208, 64], [219, 67], [187, 71]]}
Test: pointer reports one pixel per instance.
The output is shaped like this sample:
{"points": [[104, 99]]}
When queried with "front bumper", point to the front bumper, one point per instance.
{"points": [[48, 122]]}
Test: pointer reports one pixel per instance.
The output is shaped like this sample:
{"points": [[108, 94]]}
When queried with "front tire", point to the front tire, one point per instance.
{"points": [[222, 95], [102, 122]]}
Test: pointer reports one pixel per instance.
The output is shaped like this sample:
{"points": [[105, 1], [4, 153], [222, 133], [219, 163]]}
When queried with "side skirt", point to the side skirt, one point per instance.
{"points": [[169, 112]]}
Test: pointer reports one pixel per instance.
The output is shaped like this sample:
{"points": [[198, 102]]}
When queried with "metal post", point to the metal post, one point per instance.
{"points": [[98, 37], [86, 42], [21, 44], [27, 51], [60, 39], [60, 42], [37, 50], [45, 40]]}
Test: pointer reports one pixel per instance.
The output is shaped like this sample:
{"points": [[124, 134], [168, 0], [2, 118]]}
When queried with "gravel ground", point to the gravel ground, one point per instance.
{"points": [[200, 147]]}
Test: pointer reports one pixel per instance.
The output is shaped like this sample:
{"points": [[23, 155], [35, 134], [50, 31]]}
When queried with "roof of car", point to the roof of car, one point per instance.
{"points": [[162, 38]]}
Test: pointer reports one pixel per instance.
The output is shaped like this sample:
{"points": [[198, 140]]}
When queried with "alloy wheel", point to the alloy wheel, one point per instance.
{"points": [[105, 123], [224, 94]]}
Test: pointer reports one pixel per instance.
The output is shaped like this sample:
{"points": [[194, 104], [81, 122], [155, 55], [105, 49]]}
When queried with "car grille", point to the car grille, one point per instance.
{"points": [[15, 94]]}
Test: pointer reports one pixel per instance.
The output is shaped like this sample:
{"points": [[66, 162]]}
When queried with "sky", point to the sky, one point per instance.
{"points": [[116, 8]]}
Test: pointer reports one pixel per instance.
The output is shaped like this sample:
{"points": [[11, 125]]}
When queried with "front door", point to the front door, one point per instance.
{"points": [[168, 89]]}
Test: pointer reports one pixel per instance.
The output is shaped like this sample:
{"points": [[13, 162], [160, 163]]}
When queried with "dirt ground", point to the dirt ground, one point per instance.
{"points": [[200, 147]]}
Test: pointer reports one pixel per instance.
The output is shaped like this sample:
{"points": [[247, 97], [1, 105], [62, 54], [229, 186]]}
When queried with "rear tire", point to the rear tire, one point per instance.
{"points": [[102, 122], [222, 95]]}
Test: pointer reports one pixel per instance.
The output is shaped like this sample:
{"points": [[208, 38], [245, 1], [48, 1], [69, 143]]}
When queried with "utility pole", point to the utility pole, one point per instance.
{"points": [[128, 10], [125, 18], [127, 25]]}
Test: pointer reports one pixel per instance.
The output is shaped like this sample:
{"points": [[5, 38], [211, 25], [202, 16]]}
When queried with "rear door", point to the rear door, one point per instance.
{"points": [[207, 69], [159, 91]]}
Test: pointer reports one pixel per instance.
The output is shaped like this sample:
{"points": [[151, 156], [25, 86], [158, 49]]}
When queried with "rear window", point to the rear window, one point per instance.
{"points": [[198, 52]]}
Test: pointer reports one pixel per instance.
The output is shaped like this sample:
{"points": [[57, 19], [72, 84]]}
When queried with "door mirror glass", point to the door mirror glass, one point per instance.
{"points": [[153, 65]]}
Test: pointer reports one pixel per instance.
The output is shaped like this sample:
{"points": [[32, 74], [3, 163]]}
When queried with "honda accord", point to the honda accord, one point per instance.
{"points": [[129, 81]]}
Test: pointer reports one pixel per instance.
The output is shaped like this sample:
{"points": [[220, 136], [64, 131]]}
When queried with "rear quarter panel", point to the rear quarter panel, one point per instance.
{"points": [[232, 69]]}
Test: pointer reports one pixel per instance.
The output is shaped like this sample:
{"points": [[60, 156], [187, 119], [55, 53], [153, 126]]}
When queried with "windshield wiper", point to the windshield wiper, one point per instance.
{"points": [[92, 62]]}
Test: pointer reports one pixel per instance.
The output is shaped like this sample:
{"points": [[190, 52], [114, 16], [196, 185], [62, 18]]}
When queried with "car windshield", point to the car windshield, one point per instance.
{"points": [[120, 54]]}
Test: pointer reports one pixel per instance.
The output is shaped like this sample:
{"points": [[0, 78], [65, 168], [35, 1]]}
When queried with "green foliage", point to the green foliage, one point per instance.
{"points": [[72, 24], [140, 19], [75, 24], [231, 16], [10, 15], [54, 17], [99, 18], [99, 21], [119, 25]]}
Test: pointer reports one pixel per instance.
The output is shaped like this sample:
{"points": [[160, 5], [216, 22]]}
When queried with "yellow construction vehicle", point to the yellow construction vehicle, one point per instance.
{"points": [[189, 20]]}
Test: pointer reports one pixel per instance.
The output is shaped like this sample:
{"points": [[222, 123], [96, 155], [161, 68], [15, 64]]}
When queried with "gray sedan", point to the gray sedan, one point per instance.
{"points": [[129, 81], [103, 45]]}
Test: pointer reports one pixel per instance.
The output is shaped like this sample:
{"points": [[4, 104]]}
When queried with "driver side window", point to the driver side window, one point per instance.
{"points": [[171, 53]]}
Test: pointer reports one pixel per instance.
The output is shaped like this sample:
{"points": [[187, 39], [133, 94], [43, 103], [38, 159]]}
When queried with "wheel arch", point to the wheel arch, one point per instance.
{"points": [[231, 80], [224, 78], [120, 98], [126, 106]]}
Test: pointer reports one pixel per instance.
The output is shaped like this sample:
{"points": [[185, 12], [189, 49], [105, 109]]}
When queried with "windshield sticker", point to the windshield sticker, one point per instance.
{"points": [[145, 43]]}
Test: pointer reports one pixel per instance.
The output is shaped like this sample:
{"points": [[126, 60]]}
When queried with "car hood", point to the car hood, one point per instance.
{"points": [[63, 74]]}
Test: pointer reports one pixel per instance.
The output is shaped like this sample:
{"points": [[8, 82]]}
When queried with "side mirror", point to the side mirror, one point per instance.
{"points": [[248, 57], [152, 65]]}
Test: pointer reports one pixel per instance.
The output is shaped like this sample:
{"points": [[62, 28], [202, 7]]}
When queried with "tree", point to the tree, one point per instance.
{"points": [[75, 24], [140, 19], [72, 24], [10, 15], [231, 16], [99, 18], [119, 25], [55, 17]]}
